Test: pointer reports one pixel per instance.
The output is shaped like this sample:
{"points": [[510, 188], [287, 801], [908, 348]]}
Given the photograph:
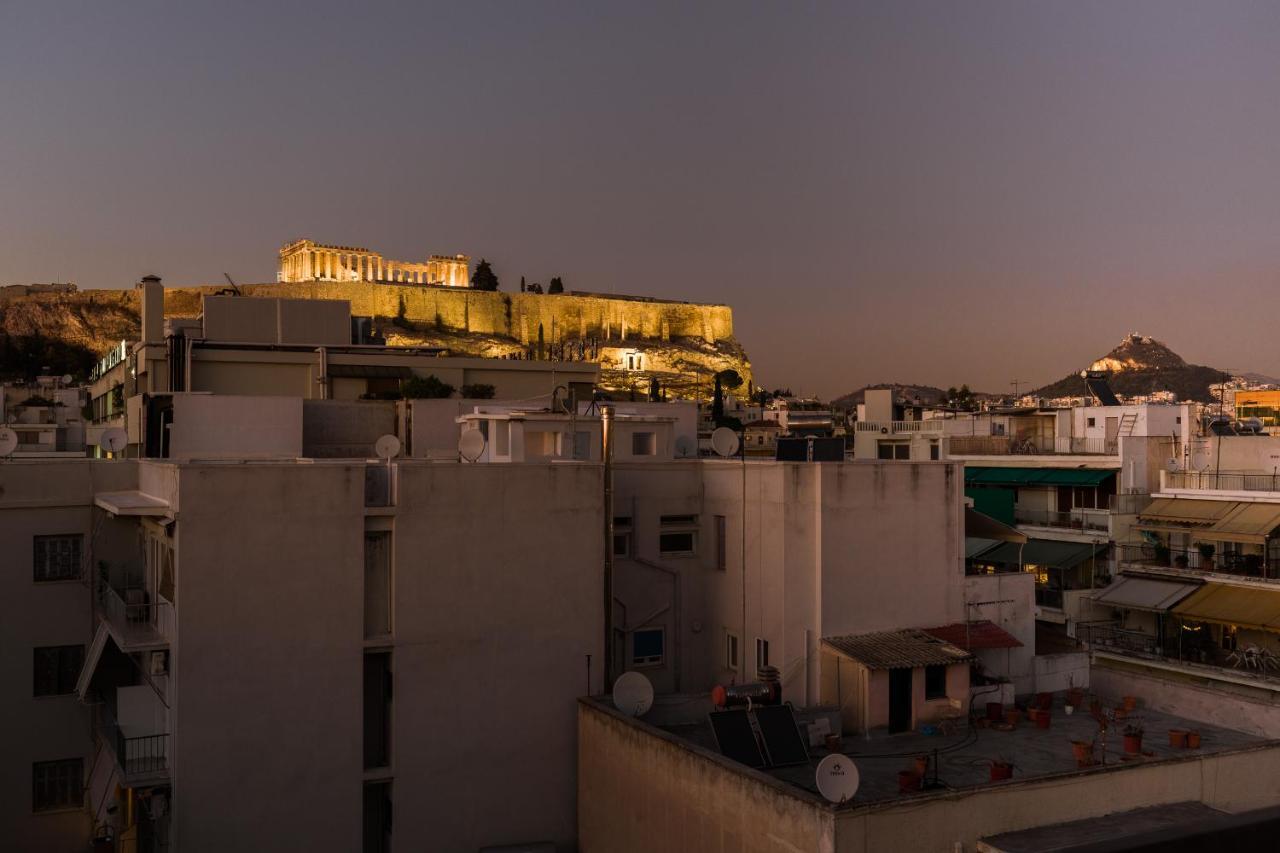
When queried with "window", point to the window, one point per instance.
{"points": [[647, 646], [1178, 419], [377, 709], [622, 544], [644, 444], [731, 651], [678, 537], [1229, 637], [377, 817], [935, 681], [722, 544], [377, 584], [893, 450], [57, 558], [502, 438], [57, 784], [933, 451], [762, 653], [56, 670], [1092, 422]]}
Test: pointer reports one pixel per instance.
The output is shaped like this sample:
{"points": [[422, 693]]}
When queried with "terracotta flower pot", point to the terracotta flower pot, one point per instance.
{"points": [[1044, 701], [1193, 740], [1001, 770], [1082, 750], [1129, 703], [1042, 719], [1133, 744], [833, 743], [995, 711], [1178, 738], [1012, 716], [908, 781]]}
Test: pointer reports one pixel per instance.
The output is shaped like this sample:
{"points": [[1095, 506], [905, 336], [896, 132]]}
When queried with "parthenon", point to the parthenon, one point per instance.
{"points": [[306, 260]]}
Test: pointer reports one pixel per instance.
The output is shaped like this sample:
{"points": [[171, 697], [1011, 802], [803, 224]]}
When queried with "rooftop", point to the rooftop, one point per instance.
{"points": [[895, 649], [962, 759]]}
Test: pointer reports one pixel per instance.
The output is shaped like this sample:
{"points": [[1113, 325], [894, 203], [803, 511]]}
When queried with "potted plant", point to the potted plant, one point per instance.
{"points": [[1178, 738], [1206, 550], [1075, 695], [1193, 739], [1161, 553], [1083, 751], [1133, 738]]}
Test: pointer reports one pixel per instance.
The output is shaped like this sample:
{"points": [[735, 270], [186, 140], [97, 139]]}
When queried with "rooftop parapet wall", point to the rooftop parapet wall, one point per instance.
{"points": [[516, 315]]}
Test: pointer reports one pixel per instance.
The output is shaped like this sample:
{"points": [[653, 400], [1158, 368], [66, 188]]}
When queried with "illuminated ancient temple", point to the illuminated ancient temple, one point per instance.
{"points": [[306, 260]]}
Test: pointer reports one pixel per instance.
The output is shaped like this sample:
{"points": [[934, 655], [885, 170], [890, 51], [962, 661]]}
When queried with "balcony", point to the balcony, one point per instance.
{"points": [[137, 620], [1002, 445], [1248, 664], [1221, 481], [142, 759], [1190, 562], [1079, 520], [894, 427]]}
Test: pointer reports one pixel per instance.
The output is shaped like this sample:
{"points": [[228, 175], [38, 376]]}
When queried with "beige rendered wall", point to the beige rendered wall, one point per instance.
{"points": [[639, 789], [1234, 781], [44, 498]]}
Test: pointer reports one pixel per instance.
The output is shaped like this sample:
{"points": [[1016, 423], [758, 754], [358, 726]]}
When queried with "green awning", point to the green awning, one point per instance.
{"points": [[1036, 476], [1042, 552]]}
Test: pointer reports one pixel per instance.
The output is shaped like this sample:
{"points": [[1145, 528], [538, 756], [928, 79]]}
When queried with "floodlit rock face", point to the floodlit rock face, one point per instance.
{"points": [[634, 339], [1139, 352], [1143, 365]]}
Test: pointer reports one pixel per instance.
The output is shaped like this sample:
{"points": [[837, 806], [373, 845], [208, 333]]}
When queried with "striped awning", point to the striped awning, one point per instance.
{"points": [[1165, 511], [1156, 596], [1242, 606], [1249, 522]]}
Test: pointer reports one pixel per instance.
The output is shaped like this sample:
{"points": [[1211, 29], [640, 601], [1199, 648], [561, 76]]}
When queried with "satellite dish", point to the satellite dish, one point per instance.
{"points": [[1171, 466], [633, 694], [66, 379], [387, 447], [471, 445], [8, 441], [684, 447], [837, 778], [113, 440], [724, 442]]}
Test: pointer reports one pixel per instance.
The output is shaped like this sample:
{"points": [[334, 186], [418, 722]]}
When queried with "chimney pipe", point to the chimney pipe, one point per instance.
{"points": [[152, 309]]}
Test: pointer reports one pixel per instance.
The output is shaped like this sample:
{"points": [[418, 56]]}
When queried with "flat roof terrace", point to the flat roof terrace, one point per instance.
{"points": [[963, 760]]}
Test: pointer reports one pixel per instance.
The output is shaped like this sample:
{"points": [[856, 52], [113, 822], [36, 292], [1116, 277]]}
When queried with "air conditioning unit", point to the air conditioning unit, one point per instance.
{"points": [[159, 663]]}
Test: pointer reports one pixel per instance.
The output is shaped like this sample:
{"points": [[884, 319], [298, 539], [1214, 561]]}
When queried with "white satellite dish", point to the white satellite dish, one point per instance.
{"points": [[685, 447], [471, 445], [8, 441], [837, 778], [387, 447], [113, 440], [633, 694], [66, 379], [724, 442]]}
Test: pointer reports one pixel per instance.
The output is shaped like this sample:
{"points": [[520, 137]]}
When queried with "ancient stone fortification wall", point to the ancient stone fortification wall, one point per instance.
{"points": [[518, 315]]}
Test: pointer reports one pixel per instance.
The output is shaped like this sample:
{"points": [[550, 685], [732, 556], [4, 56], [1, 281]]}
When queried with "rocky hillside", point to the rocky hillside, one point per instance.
{"points": [[63, 332], [1143, 365]]}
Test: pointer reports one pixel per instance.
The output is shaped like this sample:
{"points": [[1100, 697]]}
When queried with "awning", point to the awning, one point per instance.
{"points": [[980, 525], [975, 546], [1133, 593], [1185, 511], [131, 503], [975, 635], [1043, 552], [1250, 522], [1242, 606], [1036, 476]]}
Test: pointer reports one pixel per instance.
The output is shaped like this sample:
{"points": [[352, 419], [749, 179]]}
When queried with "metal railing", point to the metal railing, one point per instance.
{"points": [[1076, 519], [1110, 636], [144, 755], [897, 426], [1227, 481], [1256, 566], [135, 615], [1207, 657], [1001, 445], [1048, 597], [1130, 504]]}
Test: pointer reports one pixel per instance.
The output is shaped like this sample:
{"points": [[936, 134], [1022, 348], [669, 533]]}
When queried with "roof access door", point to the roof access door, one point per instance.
{"points": [[900, 699]]}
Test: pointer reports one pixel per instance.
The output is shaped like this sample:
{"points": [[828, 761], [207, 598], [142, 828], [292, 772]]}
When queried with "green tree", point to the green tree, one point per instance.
{"points": [[478, 391], [484, 277], [425, 388], [556, 285]]}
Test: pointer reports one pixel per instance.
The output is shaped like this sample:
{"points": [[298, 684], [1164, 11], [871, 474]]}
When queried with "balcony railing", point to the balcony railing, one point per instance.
{"points": [[1209, 658], [1092, 520], [145, 755], [1003, 445], [135, 617], [1227, 481], [1110, 636], [897, 426], [1254, 566]]}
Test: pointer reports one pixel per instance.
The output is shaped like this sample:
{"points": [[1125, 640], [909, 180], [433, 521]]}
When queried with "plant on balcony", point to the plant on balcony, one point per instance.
{"points": [[1207, 551], [1162, 554]]}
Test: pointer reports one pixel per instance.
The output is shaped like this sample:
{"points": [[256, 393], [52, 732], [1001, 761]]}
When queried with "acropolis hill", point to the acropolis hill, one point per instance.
{"points": [[634, 338]]}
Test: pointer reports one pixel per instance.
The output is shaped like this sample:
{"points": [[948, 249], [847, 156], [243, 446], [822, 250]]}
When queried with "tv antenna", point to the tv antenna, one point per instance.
{"points": [[471, 445], [234, 291], [8, 441], [837, 778], [633, 694], [1015, 383]]}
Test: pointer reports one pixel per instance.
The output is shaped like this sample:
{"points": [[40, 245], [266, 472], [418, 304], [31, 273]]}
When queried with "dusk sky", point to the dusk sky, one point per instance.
{"points": [[922, 192]]}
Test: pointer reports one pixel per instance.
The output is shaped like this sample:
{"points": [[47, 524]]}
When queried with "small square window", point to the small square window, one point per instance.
{"points": [[56, 669], [1092, 422], [647, 646], [676, 544], [56, 558], [935, 681], [644, 444], [57, 784], [622, 544]]}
